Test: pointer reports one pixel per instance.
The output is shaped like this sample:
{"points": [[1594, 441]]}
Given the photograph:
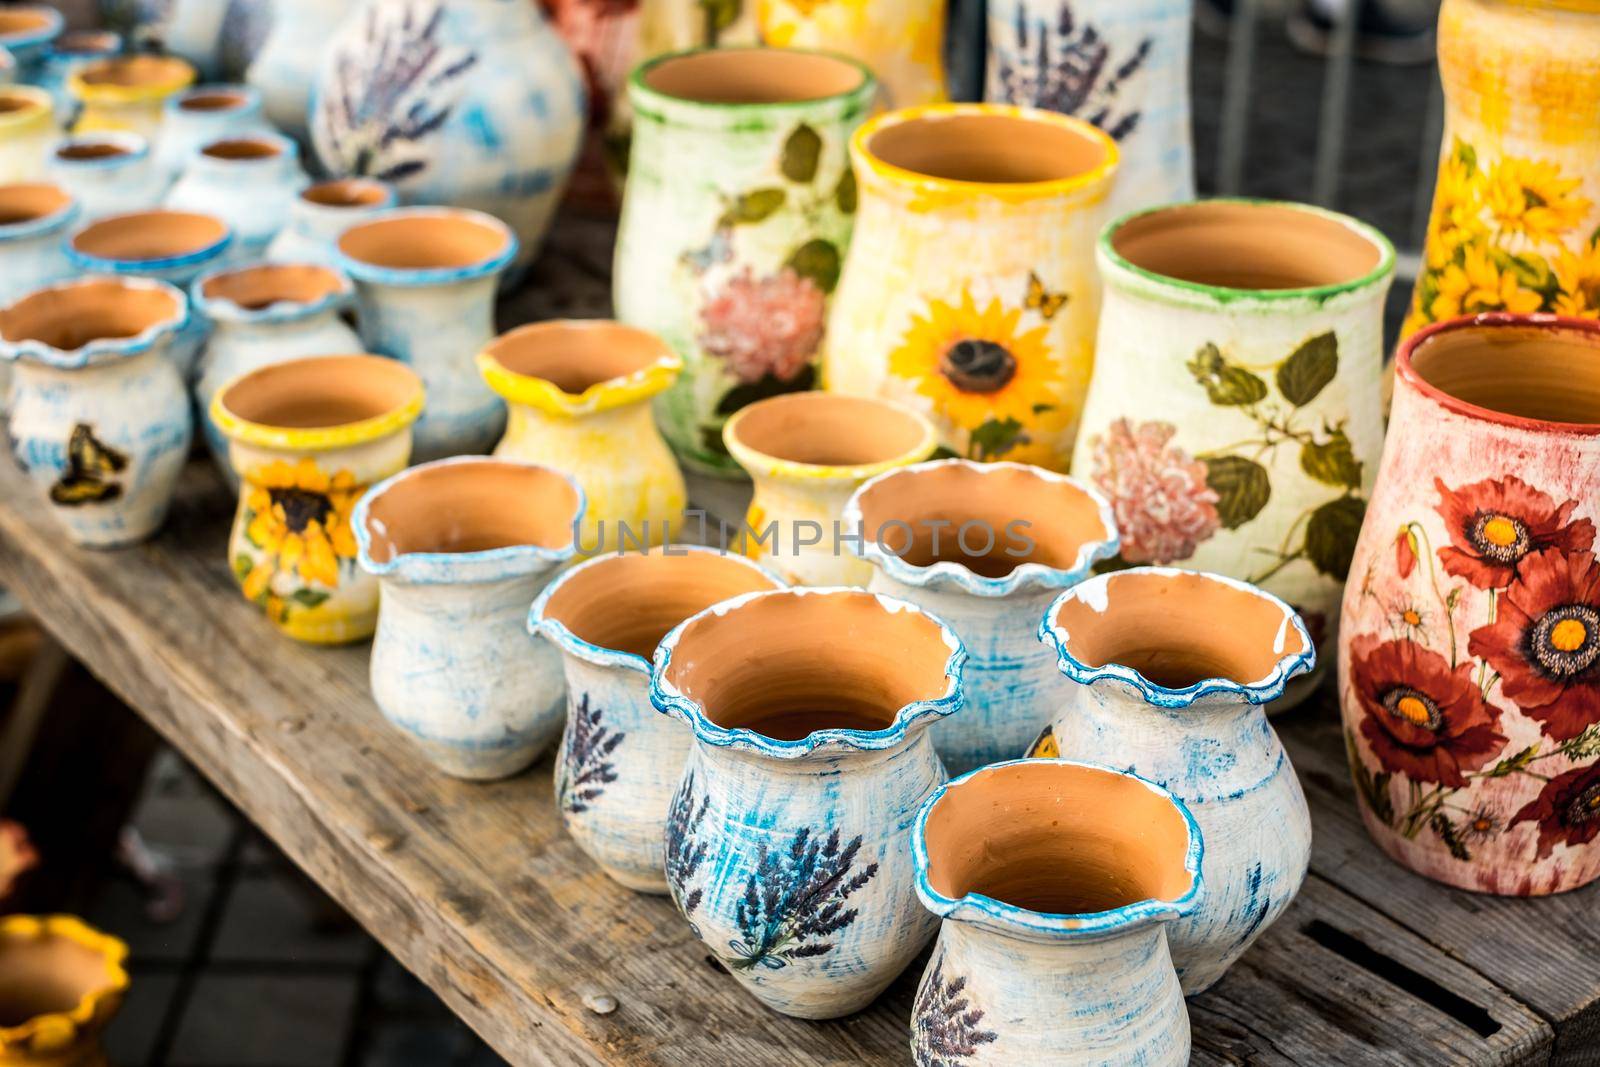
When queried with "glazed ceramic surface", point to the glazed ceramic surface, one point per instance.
{"points": [[806, 454], [994, 344], [107, 173], [732, 260], [492, 120], [61, 984], [1168, 672], [37, 217], [69, 52], [460, 547], [27, 130], [900, 41], [1515, 224], [985, 547], [128, 93], [193, 119], [579, 394], [788, 839], [99, 419], [250, 183], [320, 215], [290, 59], [1467, 661], [620, 760], [27, 32], [1056, 882]]}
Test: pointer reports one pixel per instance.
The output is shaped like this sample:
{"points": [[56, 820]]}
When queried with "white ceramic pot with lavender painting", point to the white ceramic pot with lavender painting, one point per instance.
{"points": [[249, 182], [66, 54], [1168, 673], [195, 118], [320, 215], [286, 67], [491, 119], [788, 842], [107, 173], [37, 216]]}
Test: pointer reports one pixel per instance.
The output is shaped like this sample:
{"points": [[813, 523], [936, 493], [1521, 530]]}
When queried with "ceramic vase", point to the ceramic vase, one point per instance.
{"points": [[265, 314], [578, 394], [61, 984], [199, 117], [604, 38], [491, 121], [34, 219], [1057, 884], [308, 436], [250, 183], [1515, 224], [27, 32], [69, 52], [985, 547], [1167, 673], [1235, 417], [994, 344], [27, 130], [788, 839], [732, 260], [321, 213], [459, 548], [900, 41], [620, 761], [290, 59], [806, 453], [107, 173], [127, 94], [99, 419], [1471, 630]]}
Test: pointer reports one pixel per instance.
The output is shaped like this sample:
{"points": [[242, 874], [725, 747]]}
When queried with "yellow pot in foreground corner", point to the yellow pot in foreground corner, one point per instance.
{"points": [[61, 982]]}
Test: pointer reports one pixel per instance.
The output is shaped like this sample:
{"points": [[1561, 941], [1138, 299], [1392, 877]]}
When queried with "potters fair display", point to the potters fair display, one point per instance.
{"points": [[732, 259], [1234, 420], [128, 93], [26, 33], [995, 344], [61, 984], [308, 436], [460, 547], [806, 454], [1055, 881], [321, 213], [620, 760], [107, 173], [99, 419], [34, 219], [286, 68], [788, 840], [1471, 634], [984, 547], [67, 53], [250, 183], [27, 130], [193, 119], [1167, 673], [900, 41]]}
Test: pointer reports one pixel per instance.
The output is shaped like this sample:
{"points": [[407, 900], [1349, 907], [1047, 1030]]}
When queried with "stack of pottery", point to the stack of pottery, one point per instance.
{"points": [[194, 119], [127, 93], [320, 215], [251, 183], [27, 130], [108, 173]]}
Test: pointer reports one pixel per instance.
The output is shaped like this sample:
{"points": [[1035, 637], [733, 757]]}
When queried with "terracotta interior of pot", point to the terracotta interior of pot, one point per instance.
{"points": [[31, 201], [40, 976], [23, 20], [149, 235], [71, 316], [574, 356], [628, 602], [242, 150], [1246, 246], [1179, 629], [992, 148], [1527, 372], [135, 71], [753, 76], [1057, 839], [322, 391], [345, 192], [85, 42], [254, 288], [472, 507], [424, 242], [11, 103], [1010, 516], [213, 100], [825, 429], [88, 150], [789, 664]]}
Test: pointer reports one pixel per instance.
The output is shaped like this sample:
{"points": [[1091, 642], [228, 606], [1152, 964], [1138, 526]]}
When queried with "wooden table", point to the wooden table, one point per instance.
{"points": [[476, 889]]}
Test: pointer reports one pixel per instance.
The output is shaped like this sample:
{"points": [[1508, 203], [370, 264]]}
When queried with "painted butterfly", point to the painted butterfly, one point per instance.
{"points": [[1042, 300], [88, 464]]}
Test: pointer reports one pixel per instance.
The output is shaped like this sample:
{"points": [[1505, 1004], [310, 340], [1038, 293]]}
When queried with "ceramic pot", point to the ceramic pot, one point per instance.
{"points": [[261, 315], [321, 213], [900, 41], [308, 436], [619, 761], [127, 94], [604, 38], [169, 246], [1471, 623], [492, 120], [1515, 224], [1121, 65], [1168, 671], [787, 842], [1235, 417], [203, 116], [100, 421], [985, 547], [460, 547], [578, 394], [27, 32], [1057, 883], [61, 984], [107, 173], [732, 260], [290, 59], [69, 52], [34, 217], [27, 130], [250, 183], [806, 454], [994, 344]]}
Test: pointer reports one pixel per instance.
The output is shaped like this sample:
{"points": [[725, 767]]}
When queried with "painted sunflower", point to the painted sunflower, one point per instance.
{"points": [[299, 523], [1476, 284], [1578, 276], [1496, 523], [1531, 199], [975, 365], [1567, 809], [1456, 219], [1545, 641]]}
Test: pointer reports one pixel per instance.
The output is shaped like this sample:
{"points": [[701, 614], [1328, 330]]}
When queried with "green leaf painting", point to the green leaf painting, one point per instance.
{"points": [[1243, 488], [1332, 461], [818, 260], [1309, 369], [756, 206], [844, 194], [1331, 534], [801, 153], [1224, 383]]}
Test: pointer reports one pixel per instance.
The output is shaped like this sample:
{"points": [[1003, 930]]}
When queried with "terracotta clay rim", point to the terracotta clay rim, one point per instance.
{"points": [[101, 349], [169, 75], [248, 99], [130, 148], [42, 224], [37, 107], [87, 43], [386, 197], [604, 395], [639, 87], [52, 25], [90, 261], [223, 309], [112, 951], [769, 465], [1407, 373], [319, 438], [363, 270]]}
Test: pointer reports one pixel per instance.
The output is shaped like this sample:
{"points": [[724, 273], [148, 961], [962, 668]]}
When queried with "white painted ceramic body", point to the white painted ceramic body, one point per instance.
{"points": [[185, 130], [253, 196], [32, 253], [27, 132], [112, 184], [290, 59], [69, 52], [8, 67], [313, 229]]}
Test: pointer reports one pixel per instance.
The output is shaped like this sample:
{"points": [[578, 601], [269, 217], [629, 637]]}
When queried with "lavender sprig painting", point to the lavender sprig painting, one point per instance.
{"points": [[795, 900], [685, 850], [945, 1027], [1068, 66], [586, 767]]}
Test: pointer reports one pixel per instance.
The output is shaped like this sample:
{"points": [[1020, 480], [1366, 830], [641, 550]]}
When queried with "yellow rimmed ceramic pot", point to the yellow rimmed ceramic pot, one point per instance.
{"points": [[27, 131], [578, 394], [307, 437], [127, 93], [61, 982]]}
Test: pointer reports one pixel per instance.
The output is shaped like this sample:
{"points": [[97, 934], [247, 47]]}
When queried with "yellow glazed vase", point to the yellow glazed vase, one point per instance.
{"points": [[127, 94], [970, 290], [84, 973], [1515, 224], [27, 133], [901, 41]]}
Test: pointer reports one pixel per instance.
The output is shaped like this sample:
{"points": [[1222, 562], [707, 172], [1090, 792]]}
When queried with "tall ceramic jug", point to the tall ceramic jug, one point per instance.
{"points": [[900, 41], [286, 68]]}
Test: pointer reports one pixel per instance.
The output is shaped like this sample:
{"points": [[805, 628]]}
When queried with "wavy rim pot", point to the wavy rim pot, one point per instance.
{"points": [[26, 31], [33, 215], [69, 981]]}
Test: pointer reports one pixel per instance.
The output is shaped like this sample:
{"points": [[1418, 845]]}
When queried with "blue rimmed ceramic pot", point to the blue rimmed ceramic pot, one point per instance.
{"points": [[788, 839], [1170, 673], [37, 216], [1057, 883], [459, 548], [27, 31], [986, 547], [250, 182], [66, 54], [196, 117], [107, 173], [99, 419], [320, 215], [620, 761]]}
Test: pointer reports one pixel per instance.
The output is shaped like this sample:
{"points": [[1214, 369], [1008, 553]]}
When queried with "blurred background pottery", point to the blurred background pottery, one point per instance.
{"points": [[128, 93], [61, 984], [320, 215], [604, 38], [27, 32], [36, 218], [204, 115], [900, 41], [219, 37], [66, 54], [18, 857], [107, 173], [27, 131], [250, 183], [290, 59], [8, 68]]}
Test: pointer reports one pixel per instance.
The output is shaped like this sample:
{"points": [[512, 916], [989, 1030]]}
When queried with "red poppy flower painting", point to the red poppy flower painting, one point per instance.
{"points": [[1497, 523], [1567, 809]]}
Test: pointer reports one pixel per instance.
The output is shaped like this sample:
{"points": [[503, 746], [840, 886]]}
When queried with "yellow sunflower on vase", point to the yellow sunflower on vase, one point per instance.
{"points": [[1479, 283], [298, 521], [1530, 198], [1578, 279]]}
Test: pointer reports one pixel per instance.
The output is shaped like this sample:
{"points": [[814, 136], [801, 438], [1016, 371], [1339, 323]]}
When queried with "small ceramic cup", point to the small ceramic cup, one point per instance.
{"points": [[127, 93], [34, 217], [250, 182], [27, 32], [192, 119], [27, 131], [321, 214], [61, 984], [66, 54], [108, 173]]}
